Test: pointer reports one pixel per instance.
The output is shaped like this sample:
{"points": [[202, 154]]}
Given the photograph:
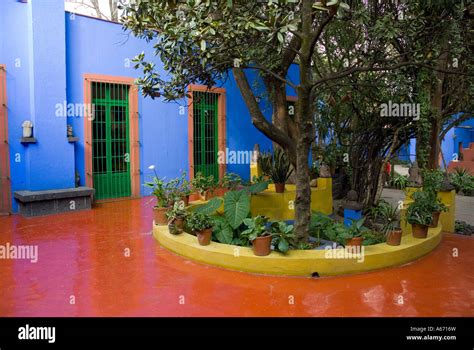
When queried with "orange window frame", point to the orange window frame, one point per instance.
{"points": [[133, 117], [221, 121]]}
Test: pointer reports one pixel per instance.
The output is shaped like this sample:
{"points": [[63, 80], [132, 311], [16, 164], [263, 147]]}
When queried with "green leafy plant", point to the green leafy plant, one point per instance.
{"points": [[185, 185], [357, 228], [203, 184], [371, 237], [230, 181], [197, 222], [209, 207], [336, 232], [399, 181], [462, 180], [176, 211], [319, 223], [388, 215], [420, 211], [257, 187], [282, 236], [281, 168], [236, 207], [432, 180], [163, 191], [265, 162], [256, 227]]}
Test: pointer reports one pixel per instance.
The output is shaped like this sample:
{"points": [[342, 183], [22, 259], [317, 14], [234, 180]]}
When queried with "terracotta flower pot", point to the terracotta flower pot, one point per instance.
{"points": [[280, 188], [355, 241], [434, 222], [394, 237], [204, 237], [419, 231], [159, 215], [204, 196], [185, 200], [262, 245], [179, 222], [173, 229]]}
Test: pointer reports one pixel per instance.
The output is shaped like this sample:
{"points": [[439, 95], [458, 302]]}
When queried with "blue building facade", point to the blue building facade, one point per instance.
{"points": [[47, 54]]}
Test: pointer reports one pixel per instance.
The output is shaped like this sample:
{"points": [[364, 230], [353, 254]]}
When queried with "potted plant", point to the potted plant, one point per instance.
{"points": [[265, 161], [176, 216], [161, 191], [203, 185], [185, 189], [257, 233], [230, 181], [201, 225], [420, 215], [282, 234], [280, 170], [354, 233], [390, 215], [438, 208]]}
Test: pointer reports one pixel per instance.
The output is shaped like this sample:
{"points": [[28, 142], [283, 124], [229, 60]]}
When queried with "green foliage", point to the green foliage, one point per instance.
{"points": [[166, 193], [283, 236], [209, 207], [357, 228], [202, 183], [371, 237], [230, 181], [319, 223], [462, 180], [197, 222], [176, 211], [184, 186], [388, 214], [236, 207], [256, 227], [222, 231], [257, 187], [420, 211], [432, 179], [265, 162], [281, 168], [399, 181]]}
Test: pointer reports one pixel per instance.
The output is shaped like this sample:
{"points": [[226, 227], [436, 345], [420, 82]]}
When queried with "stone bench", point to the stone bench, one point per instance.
{"points": [[36, 203]]}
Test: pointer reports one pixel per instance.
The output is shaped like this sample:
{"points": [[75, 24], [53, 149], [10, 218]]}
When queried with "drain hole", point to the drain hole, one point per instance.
{"points": [[315, 274]]}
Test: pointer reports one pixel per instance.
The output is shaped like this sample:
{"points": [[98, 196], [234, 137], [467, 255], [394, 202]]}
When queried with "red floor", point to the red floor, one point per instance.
{"points": [[82, 257]]}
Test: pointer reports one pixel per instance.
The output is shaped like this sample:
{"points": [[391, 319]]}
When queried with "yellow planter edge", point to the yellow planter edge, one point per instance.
{"points": [[298, 262]]}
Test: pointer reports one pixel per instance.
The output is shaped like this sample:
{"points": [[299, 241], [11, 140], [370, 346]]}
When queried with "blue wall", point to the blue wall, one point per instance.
{"points": [[162, 130], [47, 52], [464, 133], [33, 48]]}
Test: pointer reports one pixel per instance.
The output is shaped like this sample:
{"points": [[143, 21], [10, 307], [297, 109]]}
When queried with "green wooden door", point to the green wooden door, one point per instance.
{"points": [[111, 141], [206, 143]]}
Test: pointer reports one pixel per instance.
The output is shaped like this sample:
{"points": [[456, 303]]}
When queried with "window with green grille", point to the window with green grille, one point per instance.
{"points": [[111, 141], [206, 143]]}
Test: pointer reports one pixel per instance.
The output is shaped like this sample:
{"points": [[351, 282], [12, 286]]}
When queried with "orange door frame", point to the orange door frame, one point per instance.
{"points": [[221, 120], [133, 115]]}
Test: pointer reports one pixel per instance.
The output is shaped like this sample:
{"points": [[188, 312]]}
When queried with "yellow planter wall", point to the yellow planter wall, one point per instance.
{"points": [[280, 206], [298, 262]]}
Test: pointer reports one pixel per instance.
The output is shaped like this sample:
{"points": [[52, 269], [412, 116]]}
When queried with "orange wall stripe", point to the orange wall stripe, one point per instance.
{"points": [[5, 203]]}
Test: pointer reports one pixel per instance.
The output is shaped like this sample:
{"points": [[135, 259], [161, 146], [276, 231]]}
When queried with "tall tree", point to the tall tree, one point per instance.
{"points": [[202, 41]]}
